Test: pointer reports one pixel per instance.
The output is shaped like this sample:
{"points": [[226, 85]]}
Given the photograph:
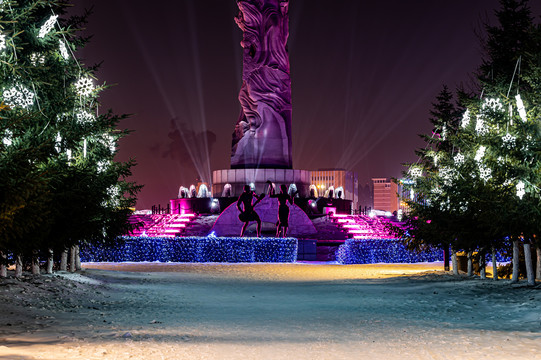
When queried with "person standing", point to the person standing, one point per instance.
{"points": [[283, 210], [248, 213]]}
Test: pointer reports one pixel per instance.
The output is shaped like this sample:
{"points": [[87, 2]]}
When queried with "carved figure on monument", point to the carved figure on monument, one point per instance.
{"points": [[262, 136]]}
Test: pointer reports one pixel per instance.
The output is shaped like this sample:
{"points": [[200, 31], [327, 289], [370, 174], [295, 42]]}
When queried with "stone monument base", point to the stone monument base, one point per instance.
{"points": [[228, 223], [230, 182]]}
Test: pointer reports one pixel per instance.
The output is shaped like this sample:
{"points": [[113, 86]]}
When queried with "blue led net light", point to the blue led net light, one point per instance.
{"points": [[371, 251], [193, 249]]}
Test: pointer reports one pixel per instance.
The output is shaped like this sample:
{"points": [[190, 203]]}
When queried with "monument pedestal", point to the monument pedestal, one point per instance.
{"points": [[230, 182]]}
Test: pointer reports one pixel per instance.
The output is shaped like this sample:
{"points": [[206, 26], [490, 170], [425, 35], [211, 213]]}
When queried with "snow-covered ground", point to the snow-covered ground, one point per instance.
{"points": [[267, 311]]}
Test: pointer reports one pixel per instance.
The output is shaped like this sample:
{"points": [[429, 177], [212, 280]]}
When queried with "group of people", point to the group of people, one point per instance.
{"points": [[246, 207]]}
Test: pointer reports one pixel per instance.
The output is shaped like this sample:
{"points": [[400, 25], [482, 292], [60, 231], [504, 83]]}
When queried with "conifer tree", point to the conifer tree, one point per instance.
{"points": [[59, 183]]}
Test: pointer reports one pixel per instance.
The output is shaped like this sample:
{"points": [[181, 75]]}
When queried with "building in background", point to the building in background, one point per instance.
{"points": [[341, 182], [385, 195]]}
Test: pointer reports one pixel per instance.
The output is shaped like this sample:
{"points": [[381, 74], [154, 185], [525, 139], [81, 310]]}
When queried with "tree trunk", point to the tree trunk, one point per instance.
{"points": [[18, 266], [470, 263], [455, 262], [3, 266], [77, 258], [529, 264], [35, 262], [482, 264], [72, 259], [538, 272], [494, 265], [50, 262], [64, 260], [446, 258], [516, 255]]}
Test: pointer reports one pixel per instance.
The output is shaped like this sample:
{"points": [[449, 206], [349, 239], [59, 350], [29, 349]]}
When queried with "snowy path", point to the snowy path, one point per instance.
{"points": [[288, 311]]}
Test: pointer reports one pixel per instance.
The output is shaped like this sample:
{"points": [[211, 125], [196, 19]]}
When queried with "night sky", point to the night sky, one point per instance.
{"points": [[364, 75]]}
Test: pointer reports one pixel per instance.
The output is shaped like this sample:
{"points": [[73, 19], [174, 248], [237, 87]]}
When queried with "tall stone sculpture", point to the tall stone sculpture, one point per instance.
{"points": [[262, 136]]}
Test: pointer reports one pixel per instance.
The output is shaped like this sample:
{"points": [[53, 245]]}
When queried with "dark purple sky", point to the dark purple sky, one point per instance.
{"points": [[364, 75]]}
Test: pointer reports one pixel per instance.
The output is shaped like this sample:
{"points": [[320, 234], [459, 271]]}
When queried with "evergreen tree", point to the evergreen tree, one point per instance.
{"points": [[59, 183]]}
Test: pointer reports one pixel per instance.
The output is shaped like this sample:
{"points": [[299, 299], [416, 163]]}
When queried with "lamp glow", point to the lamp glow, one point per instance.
{"points": [[45, 28]]}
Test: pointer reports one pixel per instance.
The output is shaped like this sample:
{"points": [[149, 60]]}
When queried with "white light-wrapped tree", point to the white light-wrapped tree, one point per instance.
{"points": [[59, 183]]}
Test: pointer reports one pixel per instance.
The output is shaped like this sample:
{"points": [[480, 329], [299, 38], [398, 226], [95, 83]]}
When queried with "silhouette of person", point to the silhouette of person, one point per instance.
{"points": [[248, 213], [283, 210]]}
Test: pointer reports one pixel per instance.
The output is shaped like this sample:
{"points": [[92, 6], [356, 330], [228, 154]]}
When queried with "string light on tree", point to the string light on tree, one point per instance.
{"points": [[84, 116], [480, 153], [110, 142], [8, 138], [45, 28], [520, 108], [480, 126], [485, 172], [20, 96], [520, 189], [509, 141], [63, 50], [465, 119], [102, 166], [36, 59], [446, 173], [58, 143], [84, 86], [416, 172], [412, 194], [2, 42], [494, 104], [459, 159]]}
